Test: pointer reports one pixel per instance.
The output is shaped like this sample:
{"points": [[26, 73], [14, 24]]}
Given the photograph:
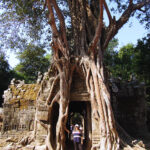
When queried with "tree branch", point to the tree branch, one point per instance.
{"points": [[57, 64], [98, 29], [57, 41], [52, 19], [51, 90], [71, 74], [109, 34], [61, 47], [126, 15], [140, 5], [116, 25], [131, 2], [108, 12], [43, 124], [91, 18], [140, 9], [44, 6], [62, 24], [56, 98], [88, 79]]}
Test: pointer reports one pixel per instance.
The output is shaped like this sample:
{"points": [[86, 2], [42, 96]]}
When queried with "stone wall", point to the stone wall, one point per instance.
{"points": [[19, 106], [130, 107]]}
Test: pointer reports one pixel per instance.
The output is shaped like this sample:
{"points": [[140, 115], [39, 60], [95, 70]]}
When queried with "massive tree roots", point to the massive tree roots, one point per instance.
{"points": [[57, 84], [59, 79]]}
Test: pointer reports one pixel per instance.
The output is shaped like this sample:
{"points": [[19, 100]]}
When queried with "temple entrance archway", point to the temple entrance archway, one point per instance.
{"points": [[80, 113]]}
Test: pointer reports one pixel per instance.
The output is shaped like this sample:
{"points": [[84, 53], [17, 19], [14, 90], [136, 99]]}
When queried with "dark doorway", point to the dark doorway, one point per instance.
{"points": [[54, 119], [80, 113]]}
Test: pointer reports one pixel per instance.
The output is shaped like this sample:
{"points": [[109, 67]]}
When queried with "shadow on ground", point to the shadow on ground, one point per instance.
{"points": [[69, 145]]}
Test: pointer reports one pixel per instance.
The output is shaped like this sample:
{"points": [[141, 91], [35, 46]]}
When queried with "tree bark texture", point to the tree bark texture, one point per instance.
{"points": [[90, 38]]}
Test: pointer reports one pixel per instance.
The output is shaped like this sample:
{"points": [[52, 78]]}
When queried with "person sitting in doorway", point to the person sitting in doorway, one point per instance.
{"points": [[77, 138]]}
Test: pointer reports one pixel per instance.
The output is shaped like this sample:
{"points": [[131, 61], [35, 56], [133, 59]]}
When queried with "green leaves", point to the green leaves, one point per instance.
{"points": [[142, 61], [126, 57], [22, 19], [130, 60], [32, 60], [111, 56], [142, 13]]}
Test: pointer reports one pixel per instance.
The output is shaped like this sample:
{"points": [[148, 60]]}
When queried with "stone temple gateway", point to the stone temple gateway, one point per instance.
{"points": [[25, 109], [79, 103]]}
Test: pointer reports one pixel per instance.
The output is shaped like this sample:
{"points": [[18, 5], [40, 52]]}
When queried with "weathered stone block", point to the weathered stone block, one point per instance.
{"points": [[42, 115], [42, 108]]}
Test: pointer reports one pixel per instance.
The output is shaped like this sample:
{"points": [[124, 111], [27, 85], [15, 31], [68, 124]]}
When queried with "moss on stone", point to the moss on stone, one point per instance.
{"points": [[13, 101], [24, 94]]}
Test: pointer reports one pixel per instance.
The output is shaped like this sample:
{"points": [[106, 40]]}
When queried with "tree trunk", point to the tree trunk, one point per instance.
{"points": [[92, 62], [100, 99], [65, 78]]}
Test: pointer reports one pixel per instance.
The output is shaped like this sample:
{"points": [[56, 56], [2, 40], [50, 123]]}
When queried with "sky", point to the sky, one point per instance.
{"points": [[129, 33], [12, 60]]}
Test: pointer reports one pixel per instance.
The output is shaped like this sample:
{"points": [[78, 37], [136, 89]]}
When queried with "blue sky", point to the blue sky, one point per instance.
{"points": [[131, 34]]}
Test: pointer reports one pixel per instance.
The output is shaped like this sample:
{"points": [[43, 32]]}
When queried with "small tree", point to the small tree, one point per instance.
{"points": [[125, 66], [32, 61], [111, 57]]}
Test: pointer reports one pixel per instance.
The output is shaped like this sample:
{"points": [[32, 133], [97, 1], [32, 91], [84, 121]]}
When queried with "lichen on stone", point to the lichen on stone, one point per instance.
{"points": [[22, 95]]}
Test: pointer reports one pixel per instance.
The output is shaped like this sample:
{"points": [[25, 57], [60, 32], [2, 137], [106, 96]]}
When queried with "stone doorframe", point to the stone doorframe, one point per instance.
{"points": [[84, 109]]}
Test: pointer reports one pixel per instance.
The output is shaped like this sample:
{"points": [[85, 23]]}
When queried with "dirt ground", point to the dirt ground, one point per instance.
{"points": [[10, 142]]}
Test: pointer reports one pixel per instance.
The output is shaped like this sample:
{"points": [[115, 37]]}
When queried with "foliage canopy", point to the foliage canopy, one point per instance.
{"points": [[32, 60]]}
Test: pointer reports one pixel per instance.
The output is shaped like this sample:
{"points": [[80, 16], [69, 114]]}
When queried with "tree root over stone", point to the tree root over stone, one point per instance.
{"points": [[59, 92]]}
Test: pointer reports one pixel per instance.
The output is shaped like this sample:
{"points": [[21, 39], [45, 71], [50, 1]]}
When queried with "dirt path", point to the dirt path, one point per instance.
{"points": [[12, 140]]}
